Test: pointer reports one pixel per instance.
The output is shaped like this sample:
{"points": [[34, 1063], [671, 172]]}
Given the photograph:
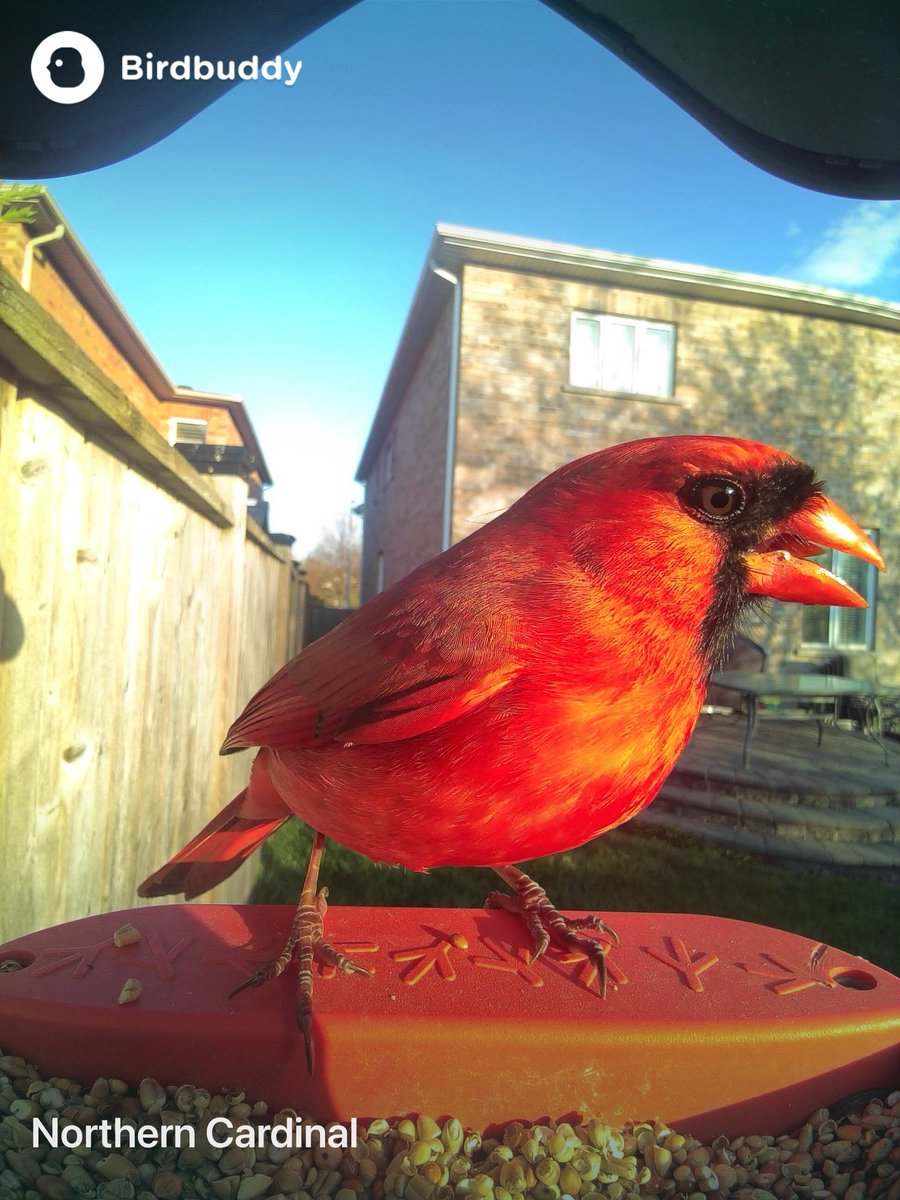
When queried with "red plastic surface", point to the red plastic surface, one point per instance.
{"points": [[714, 1025]]}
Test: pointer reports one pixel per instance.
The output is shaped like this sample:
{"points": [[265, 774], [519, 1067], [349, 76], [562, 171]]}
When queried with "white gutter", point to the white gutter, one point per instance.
{"points": [[30, 247], [625, 270], [452, 403]]}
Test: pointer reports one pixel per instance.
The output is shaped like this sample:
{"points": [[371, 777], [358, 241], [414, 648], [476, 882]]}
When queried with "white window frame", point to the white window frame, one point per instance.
{"points": [[603, 320], [833, 561], [174, 422]]}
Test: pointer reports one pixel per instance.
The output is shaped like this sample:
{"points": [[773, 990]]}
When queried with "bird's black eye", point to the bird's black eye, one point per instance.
{"points": [[714, 497]]}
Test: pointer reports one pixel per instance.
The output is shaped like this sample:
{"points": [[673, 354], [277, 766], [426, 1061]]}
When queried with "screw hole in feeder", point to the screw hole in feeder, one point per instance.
{"points": [[858, 981], [16, 962]]}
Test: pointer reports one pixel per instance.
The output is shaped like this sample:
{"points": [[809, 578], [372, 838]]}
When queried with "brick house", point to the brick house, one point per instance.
{"points": [[213, 431], [519, 355]]}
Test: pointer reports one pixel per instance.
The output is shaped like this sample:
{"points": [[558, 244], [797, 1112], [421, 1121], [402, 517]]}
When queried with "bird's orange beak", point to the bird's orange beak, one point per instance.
{"points": [[781, 568]]}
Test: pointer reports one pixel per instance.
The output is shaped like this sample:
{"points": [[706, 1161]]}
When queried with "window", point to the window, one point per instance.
{"points": [[621, 354], [379, 571], [844, 628], [187, 429]]}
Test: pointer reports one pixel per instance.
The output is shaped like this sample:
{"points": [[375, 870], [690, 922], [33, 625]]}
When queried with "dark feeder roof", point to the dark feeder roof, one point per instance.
{"points": [[805, 91]]}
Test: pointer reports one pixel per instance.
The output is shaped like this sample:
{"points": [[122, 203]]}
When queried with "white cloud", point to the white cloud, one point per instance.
{"points": [[856, 249]]}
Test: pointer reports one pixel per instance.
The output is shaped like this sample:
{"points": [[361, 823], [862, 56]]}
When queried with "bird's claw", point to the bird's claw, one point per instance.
{"points": [[270, 971], [597, 924], [327, 954], [530, 914], [306, 942], [263, 975], [545, 924]]}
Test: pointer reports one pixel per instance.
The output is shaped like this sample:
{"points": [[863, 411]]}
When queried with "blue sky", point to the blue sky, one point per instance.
{"points": [[271, 247]]}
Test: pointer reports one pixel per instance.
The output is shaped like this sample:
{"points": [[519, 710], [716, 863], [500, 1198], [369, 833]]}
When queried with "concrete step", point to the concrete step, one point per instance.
{"points": [[793, 786], [787, 766], [880, 857], [774, 817]]}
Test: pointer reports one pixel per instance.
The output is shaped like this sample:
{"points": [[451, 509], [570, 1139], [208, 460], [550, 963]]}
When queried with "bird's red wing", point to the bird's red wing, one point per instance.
{"points": [[385, 674], [421, 708]]}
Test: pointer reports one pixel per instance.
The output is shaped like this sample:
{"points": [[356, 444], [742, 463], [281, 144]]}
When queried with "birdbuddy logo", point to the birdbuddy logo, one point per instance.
{"points": [[68, 67]]}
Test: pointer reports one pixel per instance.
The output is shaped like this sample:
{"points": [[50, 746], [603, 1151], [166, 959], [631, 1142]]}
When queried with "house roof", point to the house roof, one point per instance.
{"points": [[453, 247], [84, 277], [235, 406]]}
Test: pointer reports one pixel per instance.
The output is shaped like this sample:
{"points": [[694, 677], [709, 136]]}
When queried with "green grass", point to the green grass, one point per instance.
{"points": [[630, 869]]}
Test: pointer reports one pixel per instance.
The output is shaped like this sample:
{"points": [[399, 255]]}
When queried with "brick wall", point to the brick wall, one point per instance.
{"points": [[518, 419], [220, 428], [823, 389], [405, 488], [12, 248], [57, 298]]}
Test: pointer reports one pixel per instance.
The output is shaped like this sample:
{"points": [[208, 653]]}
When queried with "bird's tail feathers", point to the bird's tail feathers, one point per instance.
{"points": [[221, 846]]}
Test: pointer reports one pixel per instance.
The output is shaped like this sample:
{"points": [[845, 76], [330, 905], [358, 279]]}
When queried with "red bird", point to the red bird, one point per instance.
{"points": [[529, 688]]}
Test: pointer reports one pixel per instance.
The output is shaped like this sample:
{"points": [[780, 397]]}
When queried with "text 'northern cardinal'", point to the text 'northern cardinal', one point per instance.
{"points": [[531, 687]]}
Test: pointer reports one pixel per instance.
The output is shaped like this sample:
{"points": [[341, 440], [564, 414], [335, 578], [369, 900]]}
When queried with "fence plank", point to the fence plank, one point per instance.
{"points": [[40, 351], [146, 626]]}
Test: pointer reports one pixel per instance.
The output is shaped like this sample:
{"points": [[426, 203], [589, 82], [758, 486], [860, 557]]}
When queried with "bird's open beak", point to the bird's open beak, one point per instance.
{"points": [[781, 568]]}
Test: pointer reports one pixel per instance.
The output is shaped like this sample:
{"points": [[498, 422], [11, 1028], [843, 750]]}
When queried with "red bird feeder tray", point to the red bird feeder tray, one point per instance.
{"points": [[712, 1025]]}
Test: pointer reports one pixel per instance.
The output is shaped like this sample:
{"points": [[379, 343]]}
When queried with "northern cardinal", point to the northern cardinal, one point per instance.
{"points": [[529, 688]]}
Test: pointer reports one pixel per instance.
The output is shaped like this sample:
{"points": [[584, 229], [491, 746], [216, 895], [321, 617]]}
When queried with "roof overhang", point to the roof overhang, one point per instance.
{"points": [[82, 275], [456, 245], [453, 247], [432, 295], [84, 278], [234, 405]]}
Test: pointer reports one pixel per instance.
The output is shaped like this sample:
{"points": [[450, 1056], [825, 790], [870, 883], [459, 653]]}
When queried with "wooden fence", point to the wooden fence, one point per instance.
{"points": [[140, 611]]}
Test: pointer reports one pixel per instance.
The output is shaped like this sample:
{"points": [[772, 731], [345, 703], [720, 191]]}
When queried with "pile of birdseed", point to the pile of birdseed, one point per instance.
{"points": [[420, 1159]]}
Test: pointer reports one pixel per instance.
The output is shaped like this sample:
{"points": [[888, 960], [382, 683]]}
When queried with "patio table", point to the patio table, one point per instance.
{"points": [[755, 684]]}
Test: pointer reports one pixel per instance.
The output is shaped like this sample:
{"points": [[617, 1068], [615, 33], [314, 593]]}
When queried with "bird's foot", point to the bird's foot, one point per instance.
{"points": [[306, 942], [545, 923]]}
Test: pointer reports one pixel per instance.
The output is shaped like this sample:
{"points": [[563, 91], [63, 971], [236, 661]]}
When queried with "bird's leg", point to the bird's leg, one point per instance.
{"points": [[306, 940], [544, 922]]}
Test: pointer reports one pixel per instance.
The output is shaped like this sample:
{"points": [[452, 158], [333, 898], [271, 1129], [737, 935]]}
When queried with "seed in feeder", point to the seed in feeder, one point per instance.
{"points": [[152, 1095], [419, 1153], [252, 1186], [24, 1109], [407, 1130], [131, 989], [52, 1187], [13, 1066], [116, 1166], [126, 935], [427, 1128]]}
